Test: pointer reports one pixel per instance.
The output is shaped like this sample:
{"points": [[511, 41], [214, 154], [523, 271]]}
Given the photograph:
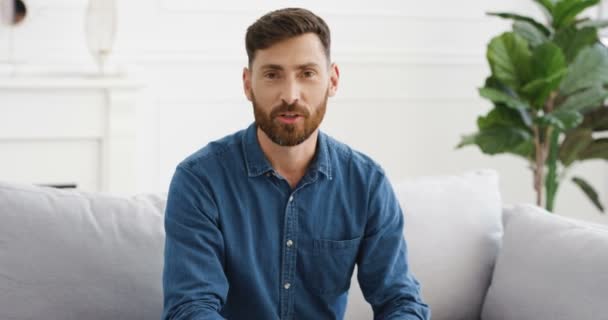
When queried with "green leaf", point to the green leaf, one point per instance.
{"points": [[492, 82], [590, 68], [572, 40], [589, 191], [596, 120], [538, 91], [537, 25], [569, 119], [503, 95], [509, 57], [547, 5], [501, 98], [547, 60], [500, 121], [599, 24], [565, 11], [585, 100], [548, 69], [498, 96], [501, 116], [530, 32], [575, 142], [561, 119], [597, 149], [467, 140], [524, 149], [501, 139]]}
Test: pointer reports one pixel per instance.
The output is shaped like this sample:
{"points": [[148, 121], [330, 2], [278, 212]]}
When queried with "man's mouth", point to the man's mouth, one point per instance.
{"points": [[289, 118], [289, 115]]}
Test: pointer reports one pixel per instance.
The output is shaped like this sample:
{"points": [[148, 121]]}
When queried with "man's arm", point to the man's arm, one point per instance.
{"points": [[194, 284], [383, 271]]}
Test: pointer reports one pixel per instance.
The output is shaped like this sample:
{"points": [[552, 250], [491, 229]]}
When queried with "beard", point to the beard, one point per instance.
{"points": [[284, 134]]}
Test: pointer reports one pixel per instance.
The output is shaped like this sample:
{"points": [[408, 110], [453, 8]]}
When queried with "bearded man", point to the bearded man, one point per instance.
{"points": [[269, 222]]}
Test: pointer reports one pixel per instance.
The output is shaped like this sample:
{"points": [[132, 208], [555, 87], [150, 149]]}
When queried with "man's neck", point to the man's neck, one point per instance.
{"points": [[290, 162]]}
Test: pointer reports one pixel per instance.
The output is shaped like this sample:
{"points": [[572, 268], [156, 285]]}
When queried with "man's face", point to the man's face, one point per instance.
{"points": [[288, 85]]}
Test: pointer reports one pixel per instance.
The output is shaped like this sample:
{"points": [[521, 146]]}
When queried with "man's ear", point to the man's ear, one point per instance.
{"points": [[334, 79], [247, 83]]}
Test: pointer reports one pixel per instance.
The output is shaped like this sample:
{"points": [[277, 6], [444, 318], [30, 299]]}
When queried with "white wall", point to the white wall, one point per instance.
{"points": [[409, 71]]}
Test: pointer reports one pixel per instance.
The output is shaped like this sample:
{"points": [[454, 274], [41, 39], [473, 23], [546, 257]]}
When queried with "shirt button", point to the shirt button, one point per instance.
{"points": [[291, 199], [287, 285], [289, 243]]}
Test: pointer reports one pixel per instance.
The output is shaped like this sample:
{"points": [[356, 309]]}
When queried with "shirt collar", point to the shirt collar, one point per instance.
{"points": [[257, 164]]}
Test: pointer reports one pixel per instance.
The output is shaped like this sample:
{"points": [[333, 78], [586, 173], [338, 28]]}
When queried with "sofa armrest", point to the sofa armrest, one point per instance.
{"points": [[549, 267]]}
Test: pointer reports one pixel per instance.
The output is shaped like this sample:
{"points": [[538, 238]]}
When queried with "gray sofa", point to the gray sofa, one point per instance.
{"points": [[74, 255]]}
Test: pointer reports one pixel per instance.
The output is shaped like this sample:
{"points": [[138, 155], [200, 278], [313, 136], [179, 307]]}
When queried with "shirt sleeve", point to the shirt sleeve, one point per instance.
{"points": [[194, 283], [383, 272]]}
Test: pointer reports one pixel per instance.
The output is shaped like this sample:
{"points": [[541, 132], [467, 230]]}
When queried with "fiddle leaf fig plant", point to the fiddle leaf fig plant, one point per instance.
{"points": [[548, 86]]}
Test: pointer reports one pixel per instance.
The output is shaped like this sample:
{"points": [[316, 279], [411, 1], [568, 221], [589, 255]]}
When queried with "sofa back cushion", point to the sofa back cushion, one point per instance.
{"points": [[549, 267], [453, 228], [71, 255]]}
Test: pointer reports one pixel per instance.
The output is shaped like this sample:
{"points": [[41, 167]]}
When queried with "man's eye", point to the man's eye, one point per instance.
{"points": [[270, 75], [308, 74]]}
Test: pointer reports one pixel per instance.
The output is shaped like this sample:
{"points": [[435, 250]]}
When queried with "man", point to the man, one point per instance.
{"points": [[268, 223]]}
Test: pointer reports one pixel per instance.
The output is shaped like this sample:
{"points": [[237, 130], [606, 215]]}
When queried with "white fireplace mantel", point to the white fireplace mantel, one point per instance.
{"points": [[69, 130], [67, 83]]}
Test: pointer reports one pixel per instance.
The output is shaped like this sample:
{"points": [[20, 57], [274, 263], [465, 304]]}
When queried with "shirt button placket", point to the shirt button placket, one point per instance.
{"points": [[290, 255]]}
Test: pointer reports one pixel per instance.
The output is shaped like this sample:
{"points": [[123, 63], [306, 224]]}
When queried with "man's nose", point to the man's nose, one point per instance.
{"points": [[290, 92]]}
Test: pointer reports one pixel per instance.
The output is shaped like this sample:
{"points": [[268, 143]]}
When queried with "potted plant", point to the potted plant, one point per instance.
{"points": [[548, 85]]}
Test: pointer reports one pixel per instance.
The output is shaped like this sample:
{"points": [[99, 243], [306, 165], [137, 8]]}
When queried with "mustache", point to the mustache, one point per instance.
{"points": [[284, 107]]}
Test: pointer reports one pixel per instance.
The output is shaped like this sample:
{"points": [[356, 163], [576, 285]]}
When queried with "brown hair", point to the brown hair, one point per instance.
{"points": [[283, 24]]}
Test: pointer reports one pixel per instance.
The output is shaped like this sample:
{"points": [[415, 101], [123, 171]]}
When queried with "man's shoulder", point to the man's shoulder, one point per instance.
{"points": [[347, 156], [214, 152]]}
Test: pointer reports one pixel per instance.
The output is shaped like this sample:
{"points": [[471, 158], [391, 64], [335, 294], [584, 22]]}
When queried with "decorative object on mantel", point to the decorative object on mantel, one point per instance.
{"points": [[12, 14], [548, 85], [100, 28]]}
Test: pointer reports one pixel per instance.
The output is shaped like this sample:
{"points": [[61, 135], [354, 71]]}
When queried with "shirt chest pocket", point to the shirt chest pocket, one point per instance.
{"points": [[332, 263]]}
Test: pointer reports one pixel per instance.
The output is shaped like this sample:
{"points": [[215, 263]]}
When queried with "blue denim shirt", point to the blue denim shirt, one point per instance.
{"points": [[242, 244]]}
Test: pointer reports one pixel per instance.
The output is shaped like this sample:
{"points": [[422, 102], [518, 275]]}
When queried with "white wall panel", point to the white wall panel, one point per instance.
{"points": [[224, 32], [407, 8], [186, 128], [23, 114], [361, 78], [393, 81], [4, 44], [208, 81], [64, 40], [410, 72]]}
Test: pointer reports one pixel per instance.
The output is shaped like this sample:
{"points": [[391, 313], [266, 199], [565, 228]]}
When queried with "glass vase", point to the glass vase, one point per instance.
{"points": [[100, 29]]}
